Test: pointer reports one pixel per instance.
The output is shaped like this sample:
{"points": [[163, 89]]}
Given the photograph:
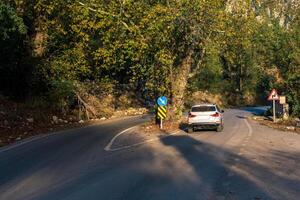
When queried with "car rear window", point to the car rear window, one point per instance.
{"points": [[203, 108]]}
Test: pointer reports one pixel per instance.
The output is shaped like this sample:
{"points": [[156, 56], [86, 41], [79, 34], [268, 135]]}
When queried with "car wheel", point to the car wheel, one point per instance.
{"points": [[190, 129], [220, 128]]}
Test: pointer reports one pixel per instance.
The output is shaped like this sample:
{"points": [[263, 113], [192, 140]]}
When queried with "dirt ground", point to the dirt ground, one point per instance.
{"points": [[168, 126], [19, 121], [14, 131], [289, 125]]}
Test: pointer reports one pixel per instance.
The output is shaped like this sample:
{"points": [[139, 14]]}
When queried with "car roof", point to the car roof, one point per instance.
{"points": [[204, 104]]}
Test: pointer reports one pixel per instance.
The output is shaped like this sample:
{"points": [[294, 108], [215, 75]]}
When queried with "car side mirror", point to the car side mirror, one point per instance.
{"points": [[222, 111]]}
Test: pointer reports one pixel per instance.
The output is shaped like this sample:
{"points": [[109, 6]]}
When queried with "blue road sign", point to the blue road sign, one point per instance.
{"points": [[162, 101]]}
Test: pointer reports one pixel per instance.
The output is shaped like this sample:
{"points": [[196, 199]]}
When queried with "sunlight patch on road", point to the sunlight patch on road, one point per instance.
{"points": [[108, 147]]}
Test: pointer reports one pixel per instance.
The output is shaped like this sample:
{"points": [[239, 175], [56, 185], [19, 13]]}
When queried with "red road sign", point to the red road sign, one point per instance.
{"points": [[273, 95]]}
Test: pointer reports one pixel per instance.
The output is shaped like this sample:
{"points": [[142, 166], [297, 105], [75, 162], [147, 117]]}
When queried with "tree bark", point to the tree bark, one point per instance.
{"points": [[179, 82]]}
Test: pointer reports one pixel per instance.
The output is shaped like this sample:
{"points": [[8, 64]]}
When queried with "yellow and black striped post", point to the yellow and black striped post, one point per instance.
{"points": [[161, 114]]}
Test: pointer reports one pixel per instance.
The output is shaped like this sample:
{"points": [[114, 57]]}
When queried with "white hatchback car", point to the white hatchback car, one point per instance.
{"points": [[205, 116]]}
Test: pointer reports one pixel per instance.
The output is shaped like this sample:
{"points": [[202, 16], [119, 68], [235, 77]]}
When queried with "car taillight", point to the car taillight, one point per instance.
{"points": [[191, 116], [215, 115]]}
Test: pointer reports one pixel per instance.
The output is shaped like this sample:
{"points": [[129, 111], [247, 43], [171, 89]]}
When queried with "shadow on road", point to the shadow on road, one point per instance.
{"points": [[237, 177], [255, 110], [241, 117], [184, 127], [180, 167]]}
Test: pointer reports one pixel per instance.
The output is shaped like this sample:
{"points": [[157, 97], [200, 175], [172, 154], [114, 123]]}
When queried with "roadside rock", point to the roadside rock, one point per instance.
{"points": [[5, 123], [54, 118], [103, 118], [297, 122], [30, 120], [259, 118], [143, 110], [291, 128]]}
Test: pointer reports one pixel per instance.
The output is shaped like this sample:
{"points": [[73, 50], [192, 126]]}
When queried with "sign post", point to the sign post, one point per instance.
{"points": [[274, 111], [162, 109], [273, 97]]}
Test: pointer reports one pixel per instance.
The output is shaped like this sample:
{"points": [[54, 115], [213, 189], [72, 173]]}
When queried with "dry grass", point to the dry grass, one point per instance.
{"points": [[282, 125], [168, 127]]}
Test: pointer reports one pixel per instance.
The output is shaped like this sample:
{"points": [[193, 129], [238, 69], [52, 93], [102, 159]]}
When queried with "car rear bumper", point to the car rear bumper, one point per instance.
{"points": [[204, 125]]}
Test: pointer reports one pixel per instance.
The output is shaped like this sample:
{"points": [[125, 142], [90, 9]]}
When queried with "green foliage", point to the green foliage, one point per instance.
{"points": [[10, 23], [12, 65], [62, 94], [293, 84], [143, 44], [209, 76], [70, 65]]}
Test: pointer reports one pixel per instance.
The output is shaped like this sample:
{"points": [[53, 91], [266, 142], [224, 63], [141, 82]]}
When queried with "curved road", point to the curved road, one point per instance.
{"points": [[245, 161]]}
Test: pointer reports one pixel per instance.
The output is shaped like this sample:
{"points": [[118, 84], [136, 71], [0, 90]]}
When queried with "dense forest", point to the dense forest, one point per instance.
{"points": [[56, 52]]}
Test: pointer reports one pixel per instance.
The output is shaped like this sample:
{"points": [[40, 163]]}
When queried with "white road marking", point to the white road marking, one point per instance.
{"points": [[249, 134], [22, 142], [249, 127], [32, 139], [108, 146], [43, 136]]}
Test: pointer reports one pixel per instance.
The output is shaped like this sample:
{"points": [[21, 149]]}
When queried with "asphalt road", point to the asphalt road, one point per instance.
{"points": [[245, 161]]}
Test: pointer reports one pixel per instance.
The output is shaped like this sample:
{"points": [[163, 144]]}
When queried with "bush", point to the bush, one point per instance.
{"points": [[98, 96], [62, 95], [294, 94]]}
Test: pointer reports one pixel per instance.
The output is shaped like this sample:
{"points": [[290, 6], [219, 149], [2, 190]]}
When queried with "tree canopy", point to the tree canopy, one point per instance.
{"points": [[241, 49]]}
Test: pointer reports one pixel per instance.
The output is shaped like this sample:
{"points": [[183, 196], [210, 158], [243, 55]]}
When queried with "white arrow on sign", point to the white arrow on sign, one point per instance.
{"points": [[162, 101]]}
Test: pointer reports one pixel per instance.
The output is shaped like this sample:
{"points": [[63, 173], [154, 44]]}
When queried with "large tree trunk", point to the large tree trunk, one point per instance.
{"points": [[179, 82]]}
